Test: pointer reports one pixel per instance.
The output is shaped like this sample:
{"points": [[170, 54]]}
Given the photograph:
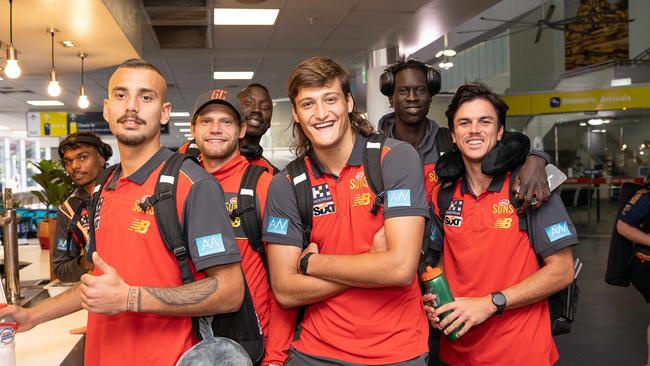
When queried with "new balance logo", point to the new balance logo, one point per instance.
{"points": [[277, 225], [503, 223], [361, 199], [398, 198], [210, 244], [557, 231], [139, 226]]}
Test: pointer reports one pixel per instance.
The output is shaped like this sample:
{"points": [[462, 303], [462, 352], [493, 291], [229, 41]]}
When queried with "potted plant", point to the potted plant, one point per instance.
{"points": [[57, 186]]}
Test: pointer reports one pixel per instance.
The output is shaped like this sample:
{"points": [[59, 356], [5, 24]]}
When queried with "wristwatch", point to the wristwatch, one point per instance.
{"points": [[304, 261], [499, 300]]}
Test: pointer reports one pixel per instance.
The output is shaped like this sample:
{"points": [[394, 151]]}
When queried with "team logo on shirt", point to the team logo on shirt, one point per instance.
{"points": [[503, 207], [138, 208], [231, 205], [61, 244], [97, 211], [139, 226], [277, 225], [557, 231], [359, 181], [209, 244], [455, 208]]}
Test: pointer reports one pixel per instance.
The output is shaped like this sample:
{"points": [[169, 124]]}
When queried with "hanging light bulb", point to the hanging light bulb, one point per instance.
{"points": [[83, 101], [446, 55], [12, 69], [53, 88]]}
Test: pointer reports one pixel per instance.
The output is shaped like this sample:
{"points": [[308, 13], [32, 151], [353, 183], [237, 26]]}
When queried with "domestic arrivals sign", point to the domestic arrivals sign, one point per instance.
{"points": [[578, 101], [64, 123]]}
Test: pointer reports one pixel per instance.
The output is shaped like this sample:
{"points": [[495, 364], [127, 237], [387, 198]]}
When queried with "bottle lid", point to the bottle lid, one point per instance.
{"points": [[431, 273]]}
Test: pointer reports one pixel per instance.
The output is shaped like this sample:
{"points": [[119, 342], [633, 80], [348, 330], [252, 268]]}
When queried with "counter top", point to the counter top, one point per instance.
{"points": [[49, 343]]}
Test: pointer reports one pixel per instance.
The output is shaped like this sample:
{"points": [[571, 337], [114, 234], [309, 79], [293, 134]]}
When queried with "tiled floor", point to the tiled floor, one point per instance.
{"points": [[611, 322]]}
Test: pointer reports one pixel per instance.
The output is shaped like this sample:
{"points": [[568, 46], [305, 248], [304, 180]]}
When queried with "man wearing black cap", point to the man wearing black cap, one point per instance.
{"points": [[84, 156]]}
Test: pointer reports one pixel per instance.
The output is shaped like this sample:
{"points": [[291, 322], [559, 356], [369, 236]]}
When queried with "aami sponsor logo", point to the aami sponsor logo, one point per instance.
{"points": [[398, 198], [277, 225], [503, 207], [359, 181], [453, 221], [557, 231], [324, 208], [210, 244]]}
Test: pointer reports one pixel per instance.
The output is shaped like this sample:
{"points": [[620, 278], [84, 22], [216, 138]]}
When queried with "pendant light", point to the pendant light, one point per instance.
{"points": [[53, 88], [445, 56], [12, 69], [83, 98]]}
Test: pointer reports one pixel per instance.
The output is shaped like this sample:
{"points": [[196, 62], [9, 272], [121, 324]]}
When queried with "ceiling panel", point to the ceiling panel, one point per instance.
{"points": [[390, 5]]}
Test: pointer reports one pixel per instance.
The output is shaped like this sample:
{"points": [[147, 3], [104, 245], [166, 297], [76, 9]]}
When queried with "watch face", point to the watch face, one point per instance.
{"points": [[498, 299]]}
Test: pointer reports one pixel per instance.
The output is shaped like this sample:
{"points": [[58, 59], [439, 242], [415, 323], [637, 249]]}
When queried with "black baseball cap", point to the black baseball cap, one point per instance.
{"points": [[217, 96]]}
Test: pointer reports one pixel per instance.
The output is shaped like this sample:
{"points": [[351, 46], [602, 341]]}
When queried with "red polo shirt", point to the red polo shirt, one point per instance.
{"points": [[360, 325], [279, 327]]}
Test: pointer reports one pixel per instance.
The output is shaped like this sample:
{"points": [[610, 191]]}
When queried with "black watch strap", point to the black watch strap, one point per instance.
{"points": [[304, 262], [499, 300]]}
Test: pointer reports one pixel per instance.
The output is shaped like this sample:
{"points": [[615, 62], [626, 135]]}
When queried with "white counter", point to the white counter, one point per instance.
{"points": [[49, 343]]}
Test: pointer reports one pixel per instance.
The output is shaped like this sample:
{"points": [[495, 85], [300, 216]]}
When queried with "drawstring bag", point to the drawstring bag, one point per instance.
{"points": [[214, 350]]}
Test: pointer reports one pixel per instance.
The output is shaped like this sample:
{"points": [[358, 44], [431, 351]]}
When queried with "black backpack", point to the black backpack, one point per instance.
{"points": [[563, 304], [241, 326]]}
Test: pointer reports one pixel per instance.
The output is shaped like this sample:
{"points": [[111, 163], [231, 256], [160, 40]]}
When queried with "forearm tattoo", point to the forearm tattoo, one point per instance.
{"points": [[189, 294], [132, 301]]}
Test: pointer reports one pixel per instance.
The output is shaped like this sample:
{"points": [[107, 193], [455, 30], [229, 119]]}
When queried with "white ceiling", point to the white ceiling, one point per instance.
{"points": [[345, 30]]}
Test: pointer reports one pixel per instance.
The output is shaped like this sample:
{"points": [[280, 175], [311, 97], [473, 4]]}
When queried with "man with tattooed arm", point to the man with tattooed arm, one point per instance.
{"points": [[139, 312]]}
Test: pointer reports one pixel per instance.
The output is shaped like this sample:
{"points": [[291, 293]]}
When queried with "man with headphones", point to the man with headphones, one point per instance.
{"points": [[84, 156], [410, 86]]}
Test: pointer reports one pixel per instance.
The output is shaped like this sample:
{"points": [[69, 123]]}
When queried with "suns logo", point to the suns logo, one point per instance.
{"points": [[137, 208], [503, 207], [231, 206], [359, 181]]}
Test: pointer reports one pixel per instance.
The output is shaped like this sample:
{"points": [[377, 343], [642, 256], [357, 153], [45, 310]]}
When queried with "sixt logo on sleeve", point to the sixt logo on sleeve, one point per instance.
{"points": [[557, 231], [398, 198], [210, 244], [277, 225]]}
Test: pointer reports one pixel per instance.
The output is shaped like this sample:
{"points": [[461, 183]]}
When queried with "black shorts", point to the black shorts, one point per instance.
{"points": [[640, 277]]}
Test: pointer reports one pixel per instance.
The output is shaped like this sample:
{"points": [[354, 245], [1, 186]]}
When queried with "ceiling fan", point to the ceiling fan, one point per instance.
{"points": [[593, 17]]}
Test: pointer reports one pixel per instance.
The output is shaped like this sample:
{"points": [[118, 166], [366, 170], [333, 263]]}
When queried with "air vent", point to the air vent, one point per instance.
{"points": [[183, 16], [180, 36]]}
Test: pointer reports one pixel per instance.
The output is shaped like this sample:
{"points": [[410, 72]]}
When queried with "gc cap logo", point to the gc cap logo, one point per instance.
{"points": [[219, 94], [210, 244], [277, 225]]}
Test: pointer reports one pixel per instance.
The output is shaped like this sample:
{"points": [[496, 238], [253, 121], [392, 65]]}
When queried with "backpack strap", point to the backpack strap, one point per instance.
{"points": [[297, 170], [165, 212], [372, 168], [97, 192], [72, 224], [443, 142], [445, 195], [248, 212]]}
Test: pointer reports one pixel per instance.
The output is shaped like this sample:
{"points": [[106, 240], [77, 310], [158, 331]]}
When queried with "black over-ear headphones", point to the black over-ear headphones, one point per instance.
{"points": [[104, 149], [387, 79]]}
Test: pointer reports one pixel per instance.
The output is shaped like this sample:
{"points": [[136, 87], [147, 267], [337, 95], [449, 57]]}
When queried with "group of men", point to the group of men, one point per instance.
{"points": [[351, 269]]}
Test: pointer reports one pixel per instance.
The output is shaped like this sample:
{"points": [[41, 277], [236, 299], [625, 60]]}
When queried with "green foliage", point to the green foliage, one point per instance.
{"points": [[55, 182]]}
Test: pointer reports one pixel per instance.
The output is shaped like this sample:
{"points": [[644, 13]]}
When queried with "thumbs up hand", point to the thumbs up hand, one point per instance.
{"points": [[106, 293]]}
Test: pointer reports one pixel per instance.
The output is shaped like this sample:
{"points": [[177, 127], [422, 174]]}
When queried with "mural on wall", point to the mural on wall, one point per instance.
{"points": [[599, 34]]}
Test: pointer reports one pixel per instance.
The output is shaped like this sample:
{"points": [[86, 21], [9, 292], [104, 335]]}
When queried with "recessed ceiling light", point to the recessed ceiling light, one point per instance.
{"points": [[233, 16], [179, 114], [233, 75], [44, 103], [68, 43], [3, 128], [595, 122], [188, 135], [583, 124], [1, 78], [621, 82], [181, 124], [184, 130]]}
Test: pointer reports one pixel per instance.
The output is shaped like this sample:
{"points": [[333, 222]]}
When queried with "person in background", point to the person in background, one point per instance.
{"points": [[634, 225], [84, 156], [257, 111]]}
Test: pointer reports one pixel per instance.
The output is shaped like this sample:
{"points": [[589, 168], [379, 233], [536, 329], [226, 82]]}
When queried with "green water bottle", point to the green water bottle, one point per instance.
{"points": [[435, 283]]}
